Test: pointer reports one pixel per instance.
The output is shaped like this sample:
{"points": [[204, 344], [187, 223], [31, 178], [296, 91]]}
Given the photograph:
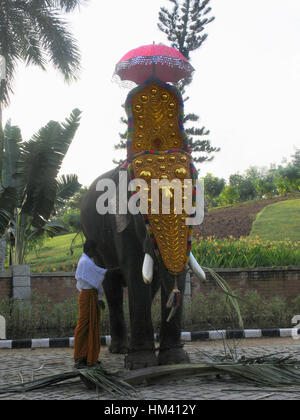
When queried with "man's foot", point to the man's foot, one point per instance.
{"points": [[80, 364], [95, 364]]}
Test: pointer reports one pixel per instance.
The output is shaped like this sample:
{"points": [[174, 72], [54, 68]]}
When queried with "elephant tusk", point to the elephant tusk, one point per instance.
{"points": [[195, 267], [147, 270]]}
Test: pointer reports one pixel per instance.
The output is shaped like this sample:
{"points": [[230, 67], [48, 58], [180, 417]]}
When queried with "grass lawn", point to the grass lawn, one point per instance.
{"points": [[55, 254], [278, 221]]}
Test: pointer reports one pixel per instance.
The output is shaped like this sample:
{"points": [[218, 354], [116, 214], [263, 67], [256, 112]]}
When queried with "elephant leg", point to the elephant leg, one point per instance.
{"points": [[171, 349], [113, 289], [141, 349]]}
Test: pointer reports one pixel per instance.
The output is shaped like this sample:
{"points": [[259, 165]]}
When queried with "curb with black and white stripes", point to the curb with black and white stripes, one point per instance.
{"points": [[35, 343]]}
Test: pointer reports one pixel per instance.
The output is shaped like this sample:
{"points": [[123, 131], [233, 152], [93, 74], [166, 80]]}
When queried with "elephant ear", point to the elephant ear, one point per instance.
{"points": [[122, 221]]}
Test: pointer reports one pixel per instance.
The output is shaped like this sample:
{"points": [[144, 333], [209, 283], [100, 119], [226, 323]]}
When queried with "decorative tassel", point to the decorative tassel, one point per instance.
{"points": [[173, 301]]}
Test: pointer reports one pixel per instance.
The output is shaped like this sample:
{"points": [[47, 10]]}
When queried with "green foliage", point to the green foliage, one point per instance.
{"points": [[229, 195], [213, 187], [72, 219], [34, 32], [255, 183], [75, 202], [67, 187], [246, 252], [210, 312], [277, 221], [40, 317], [211, 252], [244, 186], [29, 189]]}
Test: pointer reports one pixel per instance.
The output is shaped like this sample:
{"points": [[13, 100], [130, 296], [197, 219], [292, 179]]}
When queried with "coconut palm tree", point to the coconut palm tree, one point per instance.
{"points": [[35, 32], [29, 187]]}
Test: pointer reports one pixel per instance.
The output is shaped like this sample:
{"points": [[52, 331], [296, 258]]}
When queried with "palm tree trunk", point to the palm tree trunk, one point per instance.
{"points": [[2, 253], [2, 240]]}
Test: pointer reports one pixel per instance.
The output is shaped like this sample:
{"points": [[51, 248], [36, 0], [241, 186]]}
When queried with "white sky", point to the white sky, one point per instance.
{"points": [[246, 87]]}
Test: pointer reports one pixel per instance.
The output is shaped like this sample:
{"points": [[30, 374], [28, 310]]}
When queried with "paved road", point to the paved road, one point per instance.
{"points": [[24, 365]]}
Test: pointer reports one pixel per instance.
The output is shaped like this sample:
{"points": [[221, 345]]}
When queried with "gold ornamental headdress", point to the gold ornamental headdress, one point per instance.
{"points": [[157, 149]]}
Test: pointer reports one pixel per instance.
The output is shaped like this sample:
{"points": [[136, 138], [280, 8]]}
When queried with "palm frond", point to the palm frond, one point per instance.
{"points": [[107, 381], [66, 5], [67, 186], [275, 373], [39, 383], [52, 228], [43, 156], [262, 371], [92, 377], [232, 297], [11, 159], [36, 33]]}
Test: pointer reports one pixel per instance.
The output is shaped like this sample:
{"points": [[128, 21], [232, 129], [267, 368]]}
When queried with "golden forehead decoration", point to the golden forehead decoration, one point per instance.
{"points": [[155, 111]]}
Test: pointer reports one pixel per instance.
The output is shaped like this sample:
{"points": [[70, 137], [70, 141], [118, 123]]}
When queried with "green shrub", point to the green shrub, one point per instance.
{"points": [[246, 252], [211, 312], [40, 317]]}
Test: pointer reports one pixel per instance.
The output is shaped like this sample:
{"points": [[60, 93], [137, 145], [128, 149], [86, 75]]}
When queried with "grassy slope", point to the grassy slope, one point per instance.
{"points": [[56, 251], [278, 221]]}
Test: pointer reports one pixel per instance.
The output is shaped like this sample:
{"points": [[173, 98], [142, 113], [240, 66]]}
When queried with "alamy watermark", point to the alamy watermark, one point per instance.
{"points": [[163, 197]]}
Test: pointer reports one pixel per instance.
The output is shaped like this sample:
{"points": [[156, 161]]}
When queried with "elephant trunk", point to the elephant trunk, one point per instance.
{"points": [[148, 269], [195, 267]]}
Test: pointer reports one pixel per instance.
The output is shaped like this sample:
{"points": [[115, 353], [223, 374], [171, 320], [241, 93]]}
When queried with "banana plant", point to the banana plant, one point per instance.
{"points": [[29, 184]]}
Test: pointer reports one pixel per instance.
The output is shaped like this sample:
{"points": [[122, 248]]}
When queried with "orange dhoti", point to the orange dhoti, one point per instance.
{"points": [[87, 332]]}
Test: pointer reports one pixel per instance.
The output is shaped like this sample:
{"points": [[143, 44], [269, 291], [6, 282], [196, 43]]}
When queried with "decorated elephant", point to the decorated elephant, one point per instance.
{"points": [[152, 250]]}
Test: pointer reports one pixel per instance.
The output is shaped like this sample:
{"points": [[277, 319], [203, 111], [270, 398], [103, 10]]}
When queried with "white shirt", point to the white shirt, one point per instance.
{"points": [[89, 275]]}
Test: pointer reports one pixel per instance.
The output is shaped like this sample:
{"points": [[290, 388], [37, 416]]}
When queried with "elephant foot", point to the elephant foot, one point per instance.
{"points": [[118, 348], [173, 356], [140, 359]]}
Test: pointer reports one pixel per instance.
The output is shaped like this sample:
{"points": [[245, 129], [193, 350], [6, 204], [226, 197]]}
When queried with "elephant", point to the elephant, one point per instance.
{"points": [[150, 249], [122, 241]]}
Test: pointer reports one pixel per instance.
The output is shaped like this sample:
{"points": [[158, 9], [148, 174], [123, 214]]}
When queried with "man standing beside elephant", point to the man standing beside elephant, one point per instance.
{"points": [[89, 278]]}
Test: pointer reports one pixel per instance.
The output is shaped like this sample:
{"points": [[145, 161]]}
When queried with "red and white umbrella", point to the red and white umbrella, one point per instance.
{"points": [[156, 60]]}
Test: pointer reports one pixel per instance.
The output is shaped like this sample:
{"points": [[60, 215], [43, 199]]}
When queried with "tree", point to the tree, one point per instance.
{"points": [[244, 185], [29, 188], [184, 26], [229, 195], [296, 158], [213, 187], [34, 32]]}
